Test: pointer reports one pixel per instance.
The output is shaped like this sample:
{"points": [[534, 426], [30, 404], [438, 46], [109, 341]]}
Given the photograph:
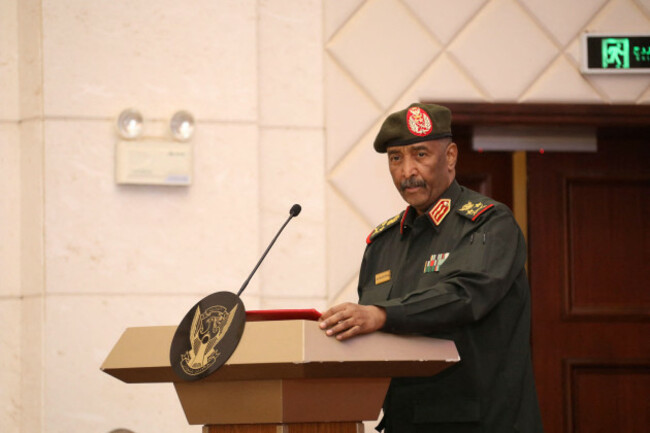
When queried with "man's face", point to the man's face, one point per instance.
{"points": [[422, 171]]}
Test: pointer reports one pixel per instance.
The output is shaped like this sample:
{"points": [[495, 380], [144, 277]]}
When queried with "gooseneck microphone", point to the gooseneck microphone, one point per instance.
{"points": [[293, 212]]}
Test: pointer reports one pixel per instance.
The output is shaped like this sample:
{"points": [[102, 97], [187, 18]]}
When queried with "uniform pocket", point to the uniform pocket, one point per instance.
{"points": [[375, 293]]}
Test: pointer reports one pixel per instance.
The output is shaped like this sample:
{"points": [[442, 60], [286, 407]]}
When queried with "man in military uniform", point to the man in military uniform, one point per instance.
{"points": [[449, 266]]}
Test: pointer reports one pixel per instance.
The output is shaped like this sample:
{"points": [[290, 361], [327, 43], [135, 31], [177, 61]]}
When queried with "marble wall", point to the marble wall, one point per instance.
{"points": [[288, 96]]}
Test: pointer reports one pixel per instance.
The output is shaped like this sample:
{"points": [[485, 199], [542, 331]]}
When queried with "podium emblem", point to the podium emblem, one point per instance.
{"points": [[207, 336]]}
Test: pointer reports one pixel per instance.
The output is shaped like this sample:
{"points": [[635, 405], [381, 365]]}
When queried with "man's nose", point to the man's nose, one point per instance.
{"points": [[409, 167]]}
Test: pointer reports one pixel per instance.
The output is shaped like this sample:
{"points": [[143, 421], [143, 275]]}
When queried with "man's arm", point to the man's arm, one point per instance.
{"points": [[469, 288], [347, 320], [473, 280]]}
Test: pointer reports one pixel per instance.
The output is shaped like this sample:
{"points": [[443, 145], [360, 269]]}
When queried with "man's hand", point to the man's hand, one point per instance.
{"points": [[347, 320]]}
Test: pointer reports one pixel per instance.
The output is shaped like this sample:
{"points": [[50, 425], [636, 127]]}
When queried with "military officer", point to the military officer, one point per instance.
{"points": [[451, 265]]}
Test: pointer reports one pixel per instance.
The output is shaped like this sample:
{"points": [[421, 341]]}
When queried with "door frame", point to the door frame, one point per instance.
{"points": [[598, 115]]}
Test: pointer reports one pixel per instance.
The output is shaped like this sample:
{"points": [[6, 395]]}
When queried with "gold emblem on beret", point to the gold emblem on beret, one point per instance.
{"points": [[418, 121]]}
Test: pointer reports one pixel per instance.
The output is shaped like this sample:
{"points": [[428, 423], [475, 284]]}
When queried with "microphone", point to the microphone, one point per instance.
{"points": [[293, 212]]}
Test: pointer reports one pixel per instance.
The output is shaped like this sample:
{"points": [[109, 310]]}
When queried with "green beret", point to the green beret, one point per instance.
{"points": [[419, 122]]}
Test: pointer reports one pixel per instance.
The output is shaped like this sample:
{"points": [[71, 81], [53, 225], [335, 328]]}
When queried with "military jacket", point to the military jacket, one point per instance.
{"points": [[458, 273]]}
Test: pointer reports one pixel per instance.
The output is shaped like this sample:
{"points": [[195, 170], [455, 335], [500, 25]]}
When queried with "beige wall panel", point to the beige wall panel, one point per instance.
{"points": [[562, 83], [33, 364], [350, 111], [108, 238], [336, 13], [294, 302], [79, 333], [30, 60], [346, 242], [157, 56], [8, 60], [291, 63], [295, 267], [292, 171], [443, 21], [10, 397], [10, 210], [563, 20], [383, 62], [32, 189], [444, 80], [503, 59]]}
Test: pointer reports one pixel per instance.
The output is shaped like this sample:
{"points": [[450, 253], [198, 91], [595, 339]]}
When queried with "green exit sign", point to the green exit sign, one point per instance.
{"points": [[611, 54]]}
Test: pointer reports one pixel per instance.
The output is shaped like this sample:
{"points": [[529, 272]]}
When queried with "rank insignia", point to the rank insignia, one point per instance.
{"points": [[434, 263], [474, 210], [382, 277], [381, 227], [418, 121], [440, 210]]}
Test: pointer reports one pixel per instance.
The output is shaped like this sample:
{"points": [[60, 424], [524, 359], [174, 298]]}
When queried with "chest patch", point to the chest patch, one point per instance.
{"points": [[440, 211], [434, 263], [382, 277]]}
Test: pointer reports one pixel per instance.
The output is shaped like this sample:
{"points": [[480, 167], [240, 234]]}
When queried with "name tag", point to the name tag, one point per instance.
{"points": [[382, 277]]}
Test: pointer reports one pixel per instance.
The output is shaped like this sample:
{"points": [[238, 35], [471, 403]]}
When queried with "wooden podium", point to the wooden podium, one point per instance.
{"points": [[285, 376]]}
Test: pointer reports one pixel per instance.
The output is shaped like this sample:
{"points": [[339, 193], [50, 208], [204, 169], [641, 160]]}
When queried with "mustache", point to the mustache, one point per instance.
{"points": [[411, 182]]}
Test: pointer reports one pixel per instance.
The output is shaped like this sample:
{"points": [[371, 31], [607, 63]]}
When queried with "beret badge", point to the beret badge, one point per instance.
{"points": [[418, 121]]}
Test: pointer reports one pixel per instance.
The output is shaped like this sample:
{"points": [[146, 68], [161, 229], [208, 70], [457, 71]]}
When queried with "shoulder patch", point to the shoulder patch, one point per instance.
{"points": [[382, 227], [473, 210]]}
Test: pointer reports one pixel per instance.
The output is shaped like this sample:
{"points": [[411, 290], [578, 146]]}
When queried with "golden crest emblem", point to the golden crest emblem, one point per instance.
{"points": [[208, 328], [207, 336], [381, 227], [418, 121], [471, 209], [474, 210]]}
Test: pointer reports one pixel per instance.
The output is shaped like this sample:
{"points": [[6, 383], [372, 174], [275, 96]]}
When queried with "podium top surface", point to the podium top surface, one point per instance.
{"points": [[286, 349]]}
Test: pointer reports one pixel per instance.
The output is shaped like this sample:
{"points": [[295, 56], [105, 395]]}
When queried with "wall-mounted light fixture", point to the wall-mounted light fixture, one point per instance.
{"points": [[181, 125], [129, 124], [147, 160]]}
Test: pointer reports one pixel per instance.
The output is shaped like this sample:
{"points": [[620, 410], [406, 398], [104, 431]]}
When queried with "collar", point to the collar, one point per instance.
{"points": [[437, 212], [407, 219], [444, 204]]}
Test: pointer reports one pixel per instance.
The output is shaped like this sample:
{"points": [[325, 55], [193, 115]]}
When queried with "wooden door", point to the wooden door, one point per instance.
{"points": [[589, 268], [489, 173]]}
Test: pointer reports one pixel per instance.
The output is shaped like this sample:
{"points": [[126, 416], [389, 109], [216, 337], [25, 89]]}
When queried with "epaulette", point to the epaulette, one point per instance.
{"points": [[382, 227], [473, 210]]}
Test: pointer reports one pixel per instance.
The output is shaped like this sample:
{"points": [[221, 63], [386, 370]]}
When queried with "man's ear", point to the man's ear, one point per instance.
{"points": [[452, 155]]}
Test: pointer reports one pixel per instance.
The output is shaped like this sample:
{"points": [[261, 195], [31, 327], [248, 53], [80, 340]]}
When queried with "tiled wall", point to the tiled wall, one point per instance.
{"points": [[288, 96]]}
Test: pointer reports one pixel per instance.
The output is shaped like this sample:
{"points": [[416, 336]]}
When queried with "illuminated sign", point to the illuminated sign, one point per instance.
{"points": [[611, 54]]}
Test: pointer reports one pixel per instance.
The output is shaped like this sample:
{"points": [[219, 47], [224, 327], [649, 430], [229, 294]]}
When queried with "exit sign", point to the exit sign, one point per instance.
{"points": [[615, 53]]}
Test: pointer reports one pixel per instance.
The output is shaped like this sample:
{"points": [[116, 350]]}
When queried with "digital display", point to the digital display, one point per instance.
{"points": [[616, 53]]}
